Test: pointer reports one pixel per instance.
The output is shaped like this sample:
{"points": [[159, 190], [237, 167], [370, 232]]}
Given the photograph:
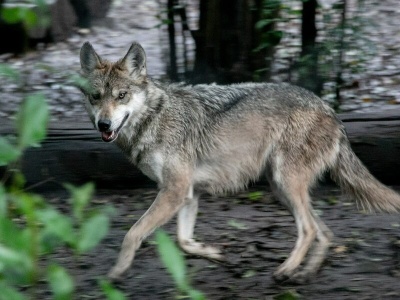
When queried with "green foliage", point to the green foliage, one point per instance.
{"points": [[43, 231], [31, 14], [60, 282], [3, 201], [8, 72], [80, 198], [174, 261], [256, 196], [23, 14], [92, 232], [237, 224], [172, 258], [269, 15], [80, 82], [111, 292], [30, 228], [32, 121], [8, 293], [82, 232], [8, 152]]}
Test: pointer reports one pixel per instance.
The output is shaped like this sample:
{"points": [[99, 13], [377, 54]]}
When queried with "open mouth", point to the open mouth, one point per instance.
{"points": [[110, 136]]}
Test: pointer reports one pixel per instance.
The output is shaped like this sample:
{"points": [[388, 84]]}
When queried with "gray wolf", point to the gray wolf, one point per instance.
{"points": [[216, 139]]}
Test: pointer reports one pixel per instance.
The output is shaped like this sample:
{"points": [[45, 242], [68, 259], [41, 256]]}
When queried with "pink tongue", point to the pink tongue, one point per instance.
{"points": [[106, 135]]}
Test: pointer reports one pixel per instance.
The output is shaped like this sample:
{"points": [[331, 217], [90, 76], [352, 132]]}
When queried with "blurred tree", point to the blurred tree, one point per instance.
{"points": [[173, 69], [82, 12], [229, 45], [339, 78], [309, 76]]}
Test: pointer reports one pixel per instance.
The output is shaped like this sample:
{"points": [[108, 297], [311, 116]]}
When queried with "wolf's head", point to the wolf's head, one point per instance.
{"points": [[115, 91]]}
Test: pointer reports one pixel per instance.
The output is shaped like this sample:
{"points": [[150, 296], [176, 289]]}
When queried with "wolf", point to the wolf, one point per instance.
{"points": [[193, 139]]}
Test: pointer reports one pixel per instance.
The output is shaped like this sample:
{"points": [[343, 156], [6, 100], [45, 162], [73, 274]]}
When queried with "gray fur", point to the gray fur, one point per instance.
{"points": [[217, 139]]}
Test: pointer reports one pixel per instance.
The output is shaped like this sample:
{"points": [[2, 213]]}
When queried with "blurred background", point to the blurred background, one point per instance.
{"points": [[346, 51]]}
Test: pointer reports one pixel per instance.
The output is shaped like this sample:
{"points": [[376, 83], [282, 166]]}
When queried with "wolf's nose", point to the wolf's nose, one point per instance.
{"points": [[104, 125]]}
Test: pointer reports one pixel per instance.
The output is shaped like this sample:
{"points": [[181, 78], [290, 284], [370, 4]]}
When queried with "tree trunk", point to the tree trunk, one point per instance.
{"points": [[308, 66], [173, 70], [339, 79], [226, 40]]}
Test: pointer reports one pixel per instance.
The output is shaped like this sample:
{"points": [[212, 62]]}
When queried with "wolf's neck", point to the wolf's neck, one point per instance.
{"points": [[138, 130]]}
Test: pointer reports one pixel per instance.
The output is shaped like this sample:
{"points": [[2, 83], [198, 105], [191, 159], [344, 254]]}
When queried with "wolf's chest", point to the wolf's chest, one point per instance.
{"points": [[151, 164]]}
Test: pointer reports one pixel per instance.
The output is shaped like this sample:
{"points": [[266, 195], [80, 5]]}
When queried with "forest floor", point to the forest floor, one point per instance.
{"points": [[256, 235]]}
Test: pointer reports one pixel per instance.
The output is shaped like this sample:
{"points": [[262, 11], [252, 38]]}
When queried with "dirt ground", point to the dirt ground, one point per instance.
{"points": [[256, 235]]}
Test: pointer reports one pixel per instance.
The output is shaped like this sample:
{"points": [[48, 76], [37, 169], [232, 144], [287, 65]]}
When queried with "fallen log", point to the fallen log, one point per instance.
{"points": [[76, 154]]}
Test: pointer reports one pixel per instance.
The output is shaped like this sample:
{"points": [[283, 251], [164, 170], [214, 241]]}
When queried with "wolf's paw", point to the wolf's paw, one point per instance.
{"points": [[299, 277], [280, 277], [302, 277], [283, 274], [196, 248], [116, 272]]}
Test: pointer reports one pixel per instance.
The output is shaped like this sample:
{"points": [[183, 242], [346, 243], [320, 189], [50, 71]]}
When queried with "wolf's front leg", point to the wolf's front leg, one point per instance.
{"points": [[169, 200], [186, 221]]}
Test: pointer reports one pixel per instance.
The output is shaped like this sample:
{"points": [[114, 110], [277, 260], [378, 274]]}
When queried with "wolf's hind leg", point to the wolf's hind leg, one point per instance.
{"points": [[293, 192], [318, 253], [186, 221]]}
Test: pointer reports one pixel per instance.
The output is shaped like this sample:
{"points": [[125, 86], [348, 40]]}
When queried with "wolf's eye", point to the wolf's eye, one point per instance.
{"points": [[121, 95], [96, 96]]}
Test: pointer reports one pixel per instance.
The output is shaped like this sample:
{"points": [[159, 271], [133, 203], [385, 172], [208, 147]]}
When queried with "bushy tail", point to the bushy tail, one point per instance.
{"points": [[355, 180]]}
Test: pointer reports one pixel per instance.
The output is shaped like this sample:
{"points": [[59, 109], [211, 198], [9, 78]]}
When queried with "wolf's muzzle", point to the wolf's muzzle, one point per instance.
{"points": [[104, 125], [108, 135]]}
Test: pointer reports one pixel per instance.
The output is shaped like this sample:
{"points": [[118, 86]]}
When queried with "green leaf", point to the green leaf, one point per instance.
{"points": [[60, 282], [11, 14], [28, 204], [15, 260], [18, 181], [287, 295], [262, 23], [81, 83], [111, 292], [332, 200], [14, 15], [30, 18], [81, 197], [8, 153], [10, 234], [237, 225], [195, 294], [172, 258], [9, 72], [92, 232], [3, 202], [255, 196], [57, 224], [32, 121], [249, 273], [8, 292]]}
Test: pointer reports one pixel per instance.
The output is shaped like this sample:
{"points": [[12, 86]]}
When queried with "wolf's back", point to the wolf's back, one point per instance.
{"points": [[355, 179]]}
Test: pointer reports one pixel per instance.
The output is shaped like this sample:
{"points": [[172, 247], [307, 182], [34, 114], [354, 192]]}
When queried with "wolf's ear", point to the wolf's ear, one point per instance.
{"points": [[89, 58], [135, 60]]}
